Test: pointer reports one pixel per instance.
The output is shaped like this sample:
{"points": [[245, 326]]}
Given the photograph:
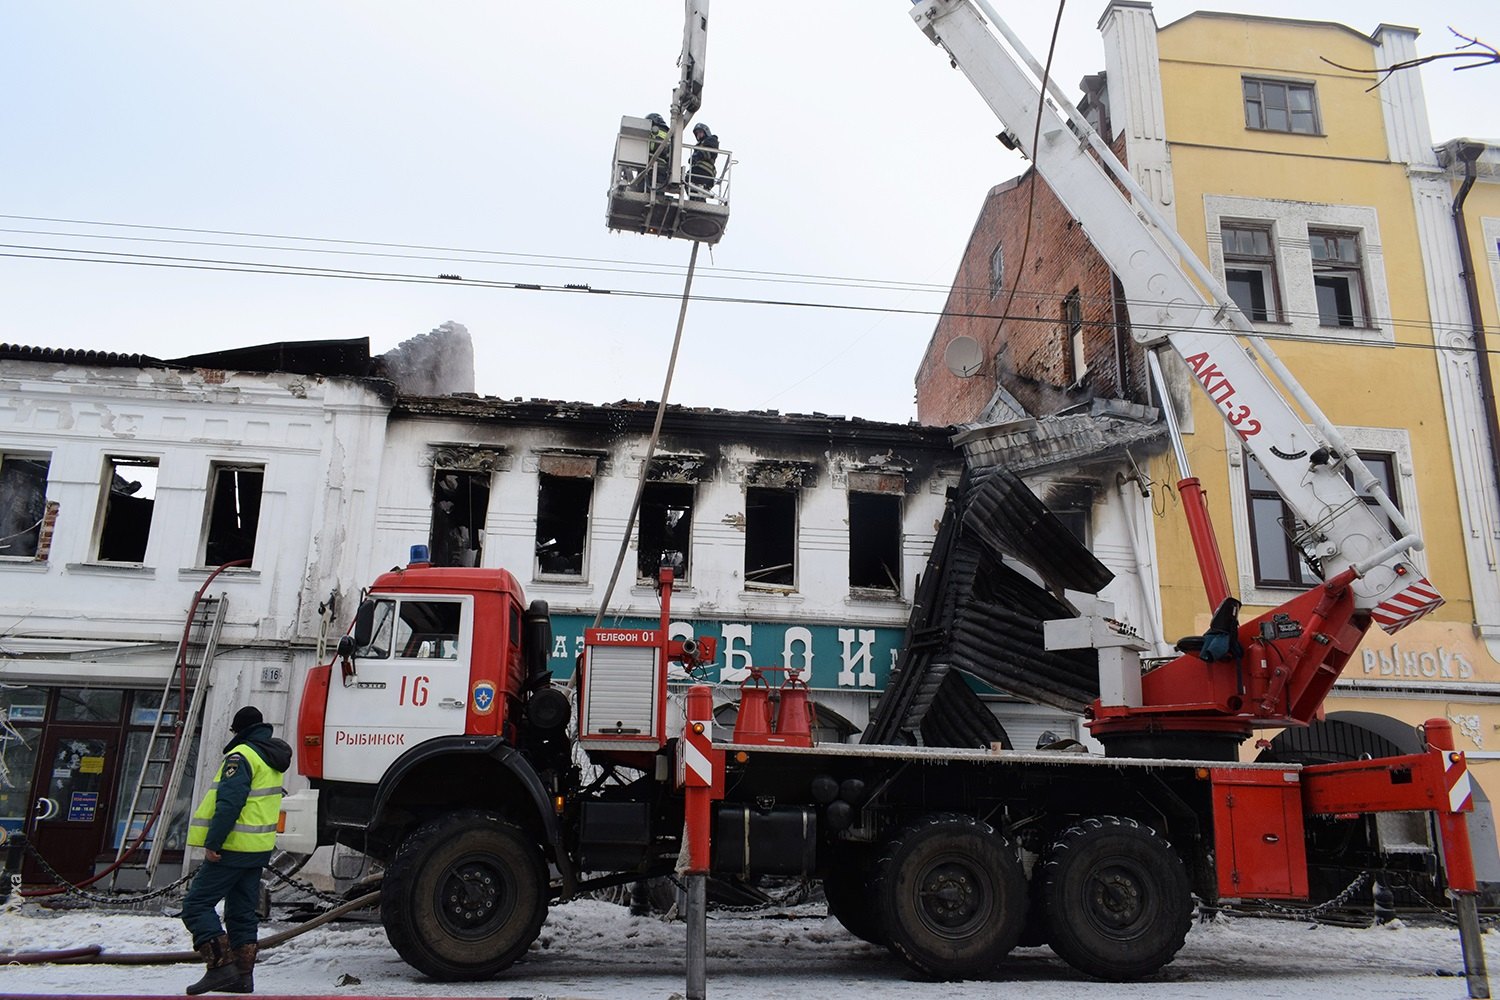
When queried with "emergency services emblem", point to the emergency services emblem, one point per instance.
{"points": [[484, 697]]}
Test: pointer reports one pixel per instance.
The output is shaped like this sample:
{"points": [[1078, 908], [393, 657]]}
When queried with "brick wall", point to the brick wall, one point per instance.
{"points": [[1029, 349]]}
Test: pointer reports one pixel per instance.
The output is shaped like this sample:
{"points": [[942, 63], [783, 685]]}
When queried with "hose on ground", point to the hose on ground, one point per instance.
{"points": [[95, 955]]}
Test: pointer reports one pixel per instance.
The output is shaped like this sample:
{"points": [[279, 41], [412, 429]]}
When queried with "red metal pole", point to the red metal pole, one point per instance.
{"points": [[1458, 857], [1205, 545]]}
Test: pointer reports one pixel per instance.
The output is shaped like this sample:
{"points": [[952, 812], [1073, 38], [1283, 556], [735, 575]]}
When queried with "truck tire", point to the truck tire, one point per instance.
{"points": [[851, 901], [1116, 898], [952, 896], [464, 896]]}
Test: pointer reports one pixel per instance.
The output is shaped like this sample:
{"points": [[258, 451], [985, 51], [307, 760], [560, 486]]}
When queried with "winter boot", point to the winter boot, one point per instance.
{"points": [[244, 960], [222, 973]]}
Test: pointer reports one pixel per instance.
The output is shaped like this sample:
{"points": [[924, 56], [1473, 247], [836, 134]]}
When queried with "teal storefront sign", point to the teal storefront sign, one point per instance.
{"points": [[830, 657]]}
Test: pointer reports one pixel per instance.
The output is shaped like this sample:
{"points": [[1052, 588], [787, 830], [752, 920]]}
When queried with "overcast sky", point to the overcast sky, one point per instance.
{"points": [[487, 128]]}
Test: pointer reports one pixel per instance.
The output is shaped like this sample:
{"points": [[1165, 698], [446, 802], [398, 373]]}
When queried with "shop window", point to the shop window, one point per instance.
{"points": [[1338, 277], [144, 706], [233, 513], [665, 533], [562, 524], [460, 504], [1281, 106], [1250, 271], [875, 541], [770, 537], [1278, 562], [130, 498], [23, 505]]}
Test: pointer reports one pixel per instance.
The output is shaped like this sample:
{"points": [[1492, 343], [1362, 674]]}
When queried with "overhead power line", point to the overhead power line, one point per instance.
{"points": [[251, 267]]}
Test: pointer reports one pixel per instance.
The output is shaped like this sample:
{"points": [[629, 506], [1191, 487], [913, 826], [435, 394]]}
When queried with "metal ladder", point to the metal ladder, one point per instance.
{"points": [[162, 770]]}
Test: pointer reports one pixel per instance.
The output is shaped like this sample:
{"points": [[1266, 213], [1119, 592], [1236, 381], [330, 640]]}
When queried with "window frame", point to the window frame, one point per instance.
{"points": [[111, 463], [40, 543], [997, 269], [1390, 441], [476, 545], [1265, 265], [211, 499], [1288, 87], [895, 578], [794, 495], [557, 576], [1352, 272], [659, 486], [1072, 320]]}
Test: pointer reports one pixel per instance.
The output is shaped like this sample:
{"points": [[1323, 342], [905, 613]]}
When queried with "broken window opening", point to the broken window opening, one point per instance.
{"points": [[1072, 310], [1338, 279], [234, 513], [562, 524], [460, 504], [770, 537], [1072, 504], [129, 501], [23, 503], [665, 534], [875, 541]]}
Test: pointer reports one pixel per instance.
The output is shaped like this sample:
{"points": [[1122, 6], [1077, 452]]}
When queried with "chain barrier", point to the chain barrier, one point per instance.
{"points": [[1446, 915], [114, 899], [306, 887], [1313, 912]]}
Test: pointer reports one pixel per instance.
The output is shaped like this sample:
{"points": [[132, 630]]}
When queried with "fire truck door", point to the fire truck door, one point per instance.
{"points": [[409, 683]]}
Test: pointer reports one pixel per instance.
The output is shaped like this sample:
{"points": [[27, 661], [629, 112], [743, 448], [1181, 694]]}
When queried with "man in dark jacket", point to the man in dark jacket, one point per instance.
{"points": [[235, 824], [702, 174]]}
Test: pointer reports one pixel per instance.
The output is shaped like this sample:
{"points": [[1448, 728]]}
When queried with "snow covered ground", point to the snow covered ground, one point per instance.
{"points": [[597, 950]]}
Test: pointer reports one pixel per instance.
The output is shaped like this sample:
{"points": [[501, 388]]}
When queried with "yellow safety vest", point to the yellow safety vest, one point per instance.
{"points": [[255, 827]]}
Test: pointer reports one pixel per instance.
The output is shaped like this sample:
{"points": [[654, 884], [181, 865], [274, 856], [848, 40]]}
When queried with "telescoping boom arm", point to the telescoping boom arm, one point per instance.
{"points": [[1307, 460]]}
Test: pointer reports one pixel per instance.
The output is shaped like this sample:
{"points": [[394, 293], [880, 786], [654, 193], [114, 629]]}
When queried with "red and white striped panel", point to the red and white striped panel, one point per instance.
{"points": [[693, 748], [1460, 788], [1395, 613]]}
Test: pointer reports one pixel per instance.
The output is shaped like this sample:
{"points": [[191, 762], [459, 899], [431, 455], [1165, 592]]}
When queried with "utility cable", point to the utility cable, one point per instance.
{"points": [[661, 410], [395, 277]]}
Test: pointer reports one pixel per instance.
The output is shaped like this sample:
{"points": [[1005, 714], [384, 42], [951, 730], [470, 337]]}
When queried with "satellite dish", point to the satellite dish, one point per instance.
{"points": [[964, 357]]}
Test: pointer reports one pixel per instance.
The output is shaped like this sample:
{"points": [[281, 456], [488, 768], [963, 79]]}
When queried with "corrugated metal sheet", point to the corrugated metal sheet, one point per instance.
{"points": [[978, 615]]}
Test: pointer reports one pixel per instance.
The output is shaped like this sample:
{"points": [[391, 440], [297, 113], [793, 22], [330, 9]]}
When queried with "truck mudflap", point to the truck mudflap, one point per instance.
{"points": [[514, 761]]}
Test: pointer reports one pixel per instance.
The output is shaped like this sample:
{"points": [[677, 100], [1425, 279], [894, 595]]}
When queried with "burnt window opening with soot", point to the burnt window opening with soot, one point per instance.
{"points": [[1073, 505], [129, 500], [770, 537], [460, 504], [665, 532], [233, 513], [23, 505], [875, 498], [565, 491]]}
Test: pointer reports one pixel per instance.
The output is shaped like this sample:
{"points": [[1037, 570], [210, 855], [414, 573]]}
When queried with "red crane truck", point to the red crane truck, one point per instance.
{"points": [[437, 742]]}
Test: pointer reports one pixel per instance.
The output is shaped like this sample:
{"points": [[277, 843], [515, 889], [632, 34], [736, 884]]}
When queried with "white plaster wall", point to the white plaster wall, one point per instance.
{"points": [[295, 426]]}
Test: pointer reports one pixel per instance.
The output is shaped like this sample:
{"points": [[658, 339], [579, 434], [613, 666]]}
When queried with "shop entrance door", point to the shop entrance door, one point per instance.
{"points": [[73, 793]]}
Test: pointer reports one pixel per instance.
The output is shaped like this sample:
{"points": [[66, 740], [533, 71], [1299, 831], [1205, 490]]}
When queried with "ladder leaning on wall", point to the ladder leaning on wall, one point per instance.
{"points": [[170, 743]]}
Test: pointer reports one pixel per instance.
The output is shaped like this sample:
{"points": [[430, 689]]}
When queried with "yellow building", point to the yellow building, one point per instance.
{"points": [[1321, 203], [1325, 209]]}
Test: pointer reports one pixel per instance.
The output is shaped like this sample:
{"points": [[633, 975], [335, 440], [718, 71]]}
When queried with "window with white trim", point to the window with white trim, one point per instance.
{"points": [[1250, 270], [1264, 575], [1338, 278], [233, 513], [129, 501]]}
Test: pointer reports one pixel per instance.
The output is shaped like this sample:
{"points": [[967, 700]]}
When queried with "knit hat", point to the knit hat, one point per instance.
{"points": [[245, 718]]}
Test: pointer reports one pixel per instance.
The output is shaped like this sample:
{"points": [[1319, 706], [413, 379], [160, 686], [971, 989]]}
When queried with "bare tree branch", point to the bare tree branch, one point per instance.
{"points": [[1477, 53]]}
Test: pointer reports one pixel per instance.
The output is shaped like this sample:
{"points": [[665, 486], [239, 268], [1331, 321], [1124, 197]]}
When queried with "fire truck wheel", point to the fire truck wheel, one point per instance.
{"points": [[953, 896], [851, 901], [464, 897], [1116, 897]]}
